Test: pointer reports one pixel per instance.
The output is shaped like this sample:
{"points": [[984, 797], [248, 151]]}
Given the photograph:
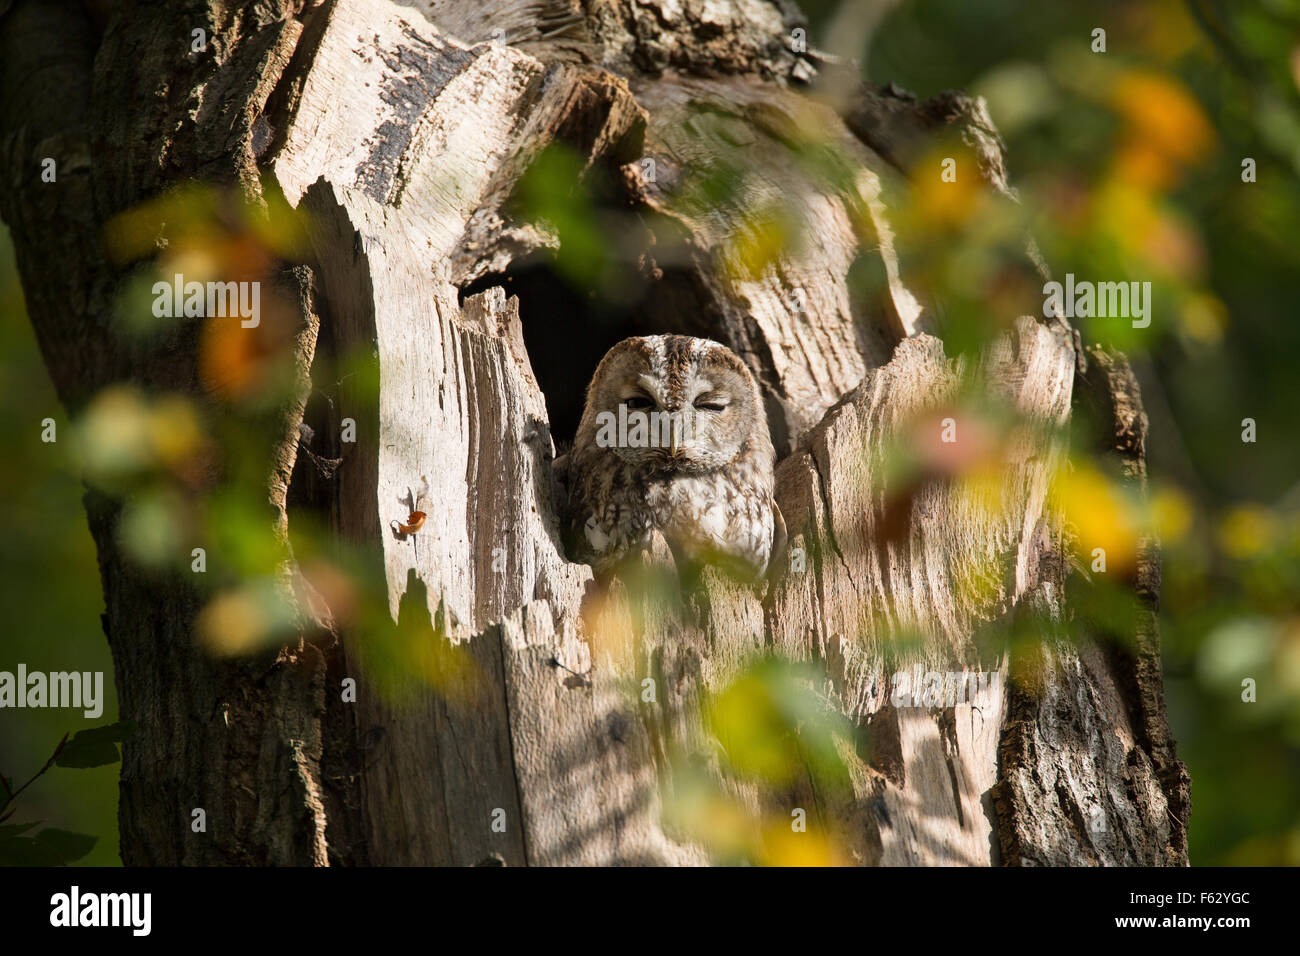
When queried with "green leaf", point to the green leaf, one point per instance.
{"points": [[66, 844], [772, 725], [11, 830], [24, 851], [50, 847], [95, 747]]}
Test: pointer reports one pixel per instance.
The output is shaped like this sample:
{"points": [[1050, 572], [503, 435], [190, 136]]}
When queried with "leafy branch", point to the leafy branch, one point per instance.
{"points": [[96, 747]]}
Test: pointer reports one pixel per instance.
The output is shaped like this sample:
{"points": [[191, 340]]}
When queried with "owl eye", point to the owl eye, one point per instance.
{"points": [[638, 402], [711, 404]]}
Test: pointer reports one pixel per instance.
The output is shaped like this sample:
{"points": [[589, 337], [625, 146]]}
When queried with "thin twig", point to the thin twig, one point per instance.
{"points": [[13, 794]]}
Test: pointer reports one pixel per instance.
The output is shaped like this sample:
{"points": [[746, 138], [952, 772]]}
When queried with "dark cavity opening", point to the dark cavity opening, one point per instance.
{"points": [[568, 329]]}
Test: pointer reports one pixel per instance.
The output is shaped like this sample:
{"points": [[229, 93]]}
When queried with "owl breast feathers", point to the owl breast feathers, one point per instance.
{"points": [[673, 439]]}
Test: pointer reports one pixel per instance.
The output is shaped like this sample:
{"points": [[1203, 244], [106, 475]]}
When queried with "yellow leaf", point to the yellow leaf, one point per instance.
{"points": [[1246, 531], [1101, 515], [1166, 129], [1171, 514], [782, 846]]}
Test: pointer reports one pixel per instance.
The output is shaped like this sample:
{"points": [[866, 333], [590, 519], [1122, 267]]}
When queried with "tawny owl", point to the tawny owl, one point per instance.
{"points": [[673, 438]]}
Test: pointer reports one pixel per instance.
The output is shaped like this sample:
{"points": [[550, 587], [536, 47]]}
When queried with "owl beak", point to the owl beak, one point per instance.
{"points": [[676, 441]]}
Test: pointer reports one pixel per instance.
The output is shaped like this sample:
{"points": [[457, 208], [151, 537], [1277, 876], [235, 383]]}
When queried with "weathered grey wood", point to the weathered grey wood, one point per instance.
{"points": [[461, 415], [795, 322], [403, 130], [958, 564], [954, 570], [1089, 773]]}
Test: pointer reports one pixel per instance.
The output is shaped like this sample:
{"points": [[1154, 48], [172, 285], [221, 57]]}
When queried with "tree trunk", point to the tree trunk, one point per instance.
{"points": [[405, 131]]}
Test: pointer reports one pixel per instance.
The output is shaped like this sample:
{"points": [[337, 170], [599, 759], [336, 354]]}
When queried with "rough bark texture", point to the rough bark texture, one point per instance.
{"points": [[1089, 773], [404, 129]]}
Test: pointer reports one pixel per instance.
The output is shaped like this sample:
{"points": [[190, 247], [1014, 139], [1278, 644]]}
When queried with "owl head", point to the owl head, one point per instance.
{"points": [[674, 403]]}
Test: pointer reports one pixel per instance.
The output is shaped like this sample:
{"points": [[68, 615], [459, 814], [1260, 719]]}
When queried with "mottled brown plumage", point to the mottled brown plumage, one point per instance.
{"points": [[699, 472]]}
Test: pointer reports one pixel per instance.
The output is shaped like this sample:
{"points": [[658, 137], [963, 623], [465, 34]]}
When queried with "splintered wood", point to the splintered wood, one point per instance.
{"points": [[404, 146]]}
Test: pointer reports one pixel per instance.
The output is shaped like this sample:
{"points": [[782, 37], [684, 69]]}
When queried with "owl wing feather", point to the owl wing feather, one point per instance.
{"points": [[569, 533]]}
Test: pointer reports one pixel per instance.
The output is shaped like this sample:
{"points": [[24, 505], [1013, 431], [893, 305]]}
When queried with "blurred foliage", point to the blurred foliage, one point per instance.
{"points": [[52, 846], [191, 468], [1129, 167], [194, 468], [773, 732], [50, 592]]}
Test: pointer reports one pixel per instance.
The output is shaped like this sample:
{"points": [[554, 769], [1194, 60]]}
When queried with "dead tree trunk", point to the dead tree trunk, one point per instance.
{"points": [[405, 129]]}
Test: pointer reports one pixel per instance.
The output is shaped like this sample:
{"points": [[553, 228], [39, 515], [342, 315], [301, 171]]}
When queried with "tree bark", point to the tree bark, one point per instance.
{"points": [[404, 130]]}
